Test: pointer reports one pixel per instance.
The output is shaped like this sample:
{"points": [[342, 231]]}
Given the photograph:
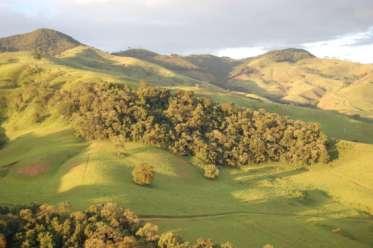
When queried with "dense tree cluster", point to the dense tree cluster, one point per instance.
{"points": [[100, 226], [218, 134]]}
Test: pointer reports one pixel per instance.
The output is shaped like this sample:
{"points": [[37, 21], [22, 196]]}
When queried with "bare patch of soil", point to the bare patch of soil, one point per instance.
{"points": [[33, 170]]}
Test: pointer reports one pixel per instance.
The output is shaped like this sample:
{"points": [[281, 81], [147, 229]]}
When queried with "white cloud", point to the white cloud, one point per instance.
{"points": [[240, 52], [355, 47]]}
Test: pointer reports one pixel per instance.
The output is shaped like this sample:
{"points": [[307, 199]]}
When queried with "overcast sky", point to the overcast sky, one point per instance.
{"points": [[236, 28]]}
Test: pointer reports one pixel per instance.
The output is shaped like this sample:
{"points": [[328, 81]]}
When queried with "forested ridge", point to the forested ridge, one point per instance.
{"points": [[218, 134]]}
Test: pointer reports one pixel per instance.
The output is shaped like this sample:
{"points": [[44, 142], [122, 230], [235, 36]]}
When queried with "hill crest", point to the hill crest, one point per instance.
{"points": [[44, 41]]}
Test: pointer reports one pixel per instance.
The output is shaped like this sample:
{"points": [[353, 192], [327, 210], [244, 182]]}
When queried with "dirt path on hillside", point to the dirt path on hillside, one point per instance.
{"points": [[223, 214]]}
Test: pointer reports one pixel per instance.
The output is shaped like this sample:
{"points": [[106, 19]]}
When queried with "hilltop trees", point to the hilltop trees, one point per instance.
{"points": [[188, 125], [217, 134]]}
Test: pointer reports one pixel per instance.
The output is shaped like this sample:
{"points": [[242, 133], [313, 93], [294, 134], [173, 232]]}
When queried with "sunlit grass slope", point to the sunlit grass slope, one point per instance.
{"points": [[273, 203], [326, 83]]}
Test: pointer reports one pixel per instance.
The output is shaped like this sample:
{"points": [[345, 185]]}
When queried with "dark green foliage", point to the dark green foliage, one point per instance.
{"points": [[188, 125], [217, 134], [104, 225]]}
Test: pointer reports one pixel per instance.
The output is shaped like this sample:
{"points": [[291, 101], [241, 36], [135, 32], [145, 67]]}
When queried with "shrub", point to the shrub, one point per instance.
{"points": [[204, 243], [170, 240], [143, 174], [149, 232], [227, 245], [210, 171]]}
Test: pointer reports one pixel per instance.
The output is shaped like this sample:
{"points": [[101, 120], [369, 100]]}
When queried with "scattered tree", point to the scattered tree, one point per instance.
{"points": [[143, 174]]}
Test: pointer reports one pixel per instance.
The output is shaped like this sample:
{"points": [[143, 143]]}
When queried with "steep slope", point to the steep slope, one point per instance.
{"points": [[92, 59], [44, 41]]}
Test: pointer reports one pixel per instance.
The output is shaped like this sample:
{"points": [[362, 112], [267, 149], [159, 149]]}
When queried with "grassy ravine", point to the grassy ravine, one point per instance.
{"points": [[273, 203]]}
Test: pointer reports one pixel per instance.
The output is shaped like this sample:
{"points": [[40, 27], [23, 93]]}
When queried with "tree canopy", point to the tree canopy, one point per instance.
{"points": [[99, 226], [218, 134]]}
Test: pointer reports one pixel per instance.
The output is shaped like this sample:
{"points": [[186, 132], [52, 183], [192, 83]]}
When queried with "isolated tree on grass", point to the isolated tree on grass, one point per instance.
{"points": [[210, 171], [143, 174]]}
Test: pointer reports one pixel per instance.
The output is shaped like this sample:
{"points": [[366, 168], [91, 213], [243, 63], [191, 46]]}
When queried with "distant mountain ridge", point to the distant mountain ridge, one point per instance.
{"points": [[290, 75], [44, 41]]}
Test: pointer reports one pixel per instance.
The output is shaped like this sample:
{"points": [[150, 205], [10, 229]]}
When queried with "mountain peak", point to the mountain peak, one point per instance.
{"points": [[44, 41], [291, 55]]}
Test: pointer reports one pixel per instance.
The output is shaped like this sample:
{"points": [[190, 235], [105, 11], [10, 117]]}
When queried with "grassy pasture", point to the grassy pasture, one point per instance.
{"points": [[272, 203]]}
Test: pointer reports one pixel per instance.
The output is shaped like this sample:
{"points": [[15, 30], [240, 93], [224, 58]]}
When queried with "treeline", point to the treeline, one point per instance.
{"points": [[218, 134], [100, 226]]}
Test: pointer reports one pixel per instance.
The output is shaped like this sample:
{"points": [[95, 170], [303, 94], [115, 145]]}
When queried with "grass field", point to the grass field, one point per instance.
{"points": [[274, 203]]}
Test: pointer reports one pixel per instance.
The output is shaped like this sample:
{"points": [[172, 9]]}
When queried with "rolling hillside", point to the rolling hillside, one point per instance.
{"points": [[273, 203], [326, 205], [289, 75], [325, 83]]}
